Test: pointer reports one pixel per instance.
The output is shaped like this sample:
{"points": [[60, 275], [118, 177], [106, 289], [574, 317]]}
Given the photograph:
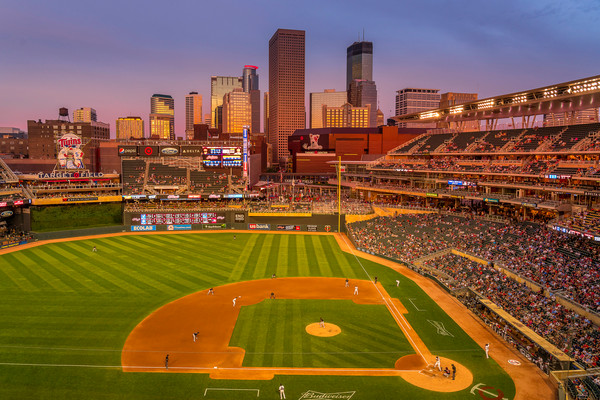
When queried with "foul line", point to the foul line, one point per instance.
{"points": [[400, 318], [413, 303]]}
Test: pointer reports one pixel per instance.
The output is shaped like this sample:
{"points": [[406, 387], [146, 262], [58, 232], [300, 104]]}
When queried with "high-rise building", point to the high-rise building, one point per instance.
{"points": [[286, 88], [84, 114], [346, 116], [219, 86], [250, 85], [412, 100], [207, 119], [380, 118], [162, 117], [359, 62], [193, 113], [130, 127], [329, 98], [237, 111], [266, 116], [363, 93]]}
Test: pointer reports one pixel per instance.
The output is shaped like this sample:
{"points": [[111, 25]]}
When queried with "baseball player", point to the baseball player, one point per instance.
{"points": [[438, 363], [397, 283], [195, 334], [167, 362], [94, 249], [487, 350], [355, 290], [322, 323], [281, 391], [210, 291], [347, 283], [234, 299]]}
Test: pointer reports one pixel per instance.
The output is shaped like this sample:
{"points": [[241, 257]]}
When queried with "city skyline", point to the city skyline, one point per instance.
{"points": [[86, 55]]}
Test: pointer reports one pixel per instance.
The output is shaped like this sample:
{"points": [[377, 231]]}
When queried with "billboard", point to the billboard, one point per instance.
{"points": [[128, 150], [169, 151], [70, 155], [217, 157], [192, 151], [148, 151]]}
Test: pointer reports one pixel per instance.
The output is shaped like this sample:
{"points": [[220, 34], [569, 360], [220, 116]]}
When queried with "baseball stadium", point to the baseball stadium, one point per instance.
{"points": [[459, 264]]}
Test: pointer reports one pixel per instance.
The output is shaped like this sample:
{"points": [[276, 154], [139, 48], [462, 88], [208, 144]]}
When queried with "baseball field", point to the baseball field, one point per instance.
{"points": [[77, 323]]}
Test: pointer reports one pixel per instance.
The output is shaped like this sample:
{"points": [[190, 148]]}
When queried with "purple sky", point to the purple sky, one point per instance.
{"points": [[113, 55]]}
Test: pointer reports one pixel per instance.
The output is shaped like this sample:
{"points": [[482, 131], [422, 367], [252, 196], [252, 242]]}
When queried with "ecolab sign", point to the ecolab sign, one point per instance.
{"points": [[137, 228]]}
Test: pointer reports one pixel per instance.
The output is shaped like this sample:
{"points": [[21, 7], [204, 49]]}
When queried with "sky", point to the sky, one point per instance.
{"points": [[113, 55]]}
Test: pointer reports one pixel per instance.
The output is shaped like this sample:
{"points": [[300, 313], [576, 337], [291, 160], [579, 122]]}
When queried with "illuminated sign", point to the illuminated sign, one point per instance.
{"points": [[169, 151], [70, 155], [245, 156]]}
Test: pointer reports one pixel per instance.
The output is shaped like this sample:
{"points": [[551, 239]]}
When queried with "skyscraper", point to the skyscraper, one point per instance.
{"points": [[359, 63], [130, 127], [250, 85], [237, 111], [363, 93], [162, 116], [412, 100], [219, 86], [84, 114], [286, 88], [329, 98], [193, 113], [266, 112]]}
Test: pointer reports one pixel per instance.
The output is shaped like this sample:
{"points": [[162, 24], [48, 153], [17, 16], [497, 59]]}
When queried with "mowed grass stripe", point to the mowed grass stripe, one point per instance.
{"points": [[18, 279], [259, 344], [93, 270], [244, 257], [186, 251], [380, 335], [297, 331], [302, 257], [24, 260], [283, 257], [145, 273], [341, 262], [58, 255], [263, 258], [173, 272], [280, 339], [322, 261]]}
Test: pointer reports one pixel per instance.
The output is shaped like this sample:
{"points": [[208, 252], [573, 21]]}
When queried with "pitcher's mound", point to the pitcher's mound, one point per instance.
{"points": [[317, 330]]}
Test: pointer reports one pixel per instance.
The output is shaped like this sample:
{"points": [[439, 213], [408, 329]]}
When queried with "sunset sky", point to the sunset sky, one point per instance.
{"points": [[113, 55]]}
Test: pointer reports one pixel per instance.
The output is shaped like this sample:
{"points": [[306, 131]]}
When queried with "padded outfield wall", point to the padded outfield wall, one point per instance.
{"points": [[231, 219]]}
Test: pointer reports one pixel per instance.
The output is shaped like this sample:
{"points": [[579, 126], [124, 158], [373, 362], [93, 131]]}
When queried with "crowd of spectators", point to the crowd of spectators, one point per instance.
{"points": [[461, 164], [561, 263], [562, 327]]}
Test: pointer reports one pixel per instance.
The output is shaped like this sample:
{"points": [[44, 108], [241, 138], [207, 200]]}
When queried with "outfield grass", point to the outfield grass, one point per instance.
{"points": [[68, 311]]}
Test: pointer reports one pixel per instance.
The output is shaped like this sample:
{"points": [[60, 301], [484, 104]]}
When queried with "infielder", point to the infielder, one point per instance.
{"points": [[281, 391], [234, 299], [347, 283], [356, 290]]}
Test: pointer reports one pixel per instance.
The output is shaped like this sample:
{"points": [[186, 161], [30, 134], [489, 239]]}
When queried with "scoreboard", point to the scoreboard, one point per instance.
{"points": [[182, 218], [221, 157]]}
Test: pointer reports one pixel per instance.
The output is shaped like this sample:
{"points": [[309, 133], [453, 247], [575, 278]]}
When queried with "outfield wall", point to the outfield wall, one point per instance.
{"points": [[229, 219]]}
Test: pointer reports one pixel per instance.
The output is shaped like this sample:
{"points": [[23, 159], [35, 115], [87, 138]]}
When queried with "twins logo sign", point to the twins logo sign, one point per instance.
{"points": [[70, 155]]}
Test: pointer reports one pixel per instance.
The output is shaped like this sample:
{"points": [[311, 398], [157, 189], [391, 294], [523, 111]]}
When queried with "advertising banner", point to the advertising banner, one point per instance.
{"points": [[179, 227], [263, 227], [141, 228], [128, 150]]}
